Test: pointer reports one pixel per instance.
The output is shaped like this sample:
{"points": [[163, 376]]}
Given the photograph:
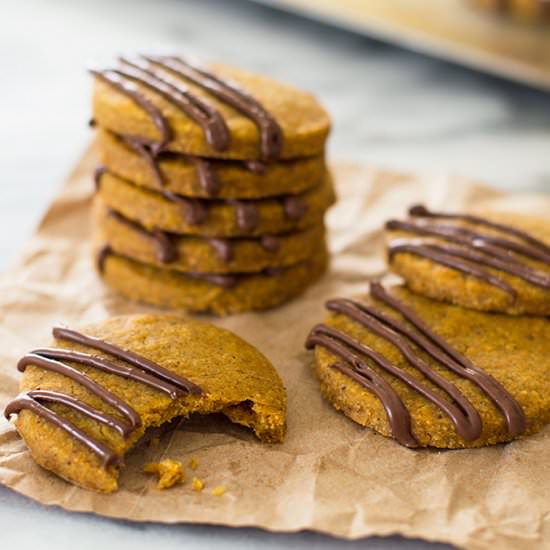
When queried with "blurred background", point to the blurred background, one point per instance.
{"points": [[445, 86]]}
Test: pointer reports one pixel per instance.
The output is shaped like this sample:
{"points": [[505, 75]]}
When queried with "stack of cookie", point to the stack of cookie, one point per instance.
{"points": [[212, 187], [459, 355]]}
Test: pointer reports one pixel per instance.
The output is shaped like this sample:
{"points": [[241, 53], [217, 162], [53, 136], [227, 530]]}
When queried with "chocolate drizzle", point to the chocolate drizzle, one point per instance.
{"points": [[474, 249], [246, 214], [461, 412], [140, 369], [255, 166], [125, 84], [101, 256], [63, 333], [27, 401], [294, 207], [271, 136], [271, 243], [223, 248], [194, 210], [176, 92], [166, 76], [43, 359], [165, 249], [98, 174]]}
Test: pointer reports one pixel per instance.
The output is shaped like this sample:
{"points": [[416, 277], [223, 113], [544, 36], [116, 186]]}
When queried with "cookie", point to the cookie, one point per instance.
{"points": [[174, 104], [494, 262], [207, 178], [220, 294], [211, 255], [89, 398], [219, 218], [522, 10], [431, 374]]}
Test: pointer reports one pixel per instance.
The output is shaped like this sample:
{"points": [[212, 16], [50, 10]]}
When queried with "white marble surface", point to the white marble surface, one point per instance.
{"points": [[390, 108]]}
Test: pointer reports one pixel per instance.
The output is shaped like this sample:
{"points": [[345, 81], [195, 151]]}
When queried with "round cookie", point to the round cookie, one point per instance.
{"points": [[231, 179], [503, 391], [303, 123], [219, 218], [198, 369], [188, 253], [218, 294], [494, 262]]}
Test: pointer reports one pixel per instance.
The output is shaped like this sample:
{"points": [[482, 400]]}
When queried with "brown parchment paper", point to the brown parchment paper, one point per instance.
{"points": [[330, 475]]}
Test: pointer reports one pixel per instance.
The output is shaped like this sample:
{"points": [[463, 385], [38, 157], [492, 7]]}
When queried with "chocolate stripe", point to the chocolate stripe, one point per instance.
{"points": [[144, 151], [103, 365], [461, 235], [177, 93], [397, 413], [463, 415], [421, 211], [56, 397], [446, 256], [452, 359], [91, 385], [119, 82], [271, 136], [108, 456], [246, 214], [165, 249], [194, 210], [64, 333]]}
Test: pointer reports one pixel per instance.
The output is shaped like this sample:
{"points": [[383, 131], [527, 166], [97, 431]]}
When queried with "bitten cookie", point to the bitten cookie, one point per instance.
{"points": [[433, 374], [188, 253], [490, 262], [222, 294], [86, 400]]}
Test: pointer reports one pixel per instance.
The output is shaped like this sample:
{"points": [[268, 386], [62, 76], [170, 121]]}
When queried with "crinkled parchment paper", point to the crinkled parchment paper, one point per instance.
{"points": [[330, 475]]}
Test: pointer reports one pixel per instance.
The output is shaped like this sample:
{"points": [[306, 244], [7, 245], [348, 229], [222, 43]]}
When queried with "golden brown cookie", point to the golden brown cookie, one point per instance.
{"points": [[208, 218], [490, 262], [433, 374], [221, 294], [216, 111], [211, 255], [194, 177], [85, 404], [522, 10]]}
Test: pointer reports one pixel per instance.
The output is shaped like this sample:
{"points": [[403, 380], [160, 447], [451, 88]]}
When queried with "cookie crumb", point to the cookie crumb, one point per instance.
{"points": [[218, 491], [170, 472], [154, 442], [193, 463], [197, 484]]}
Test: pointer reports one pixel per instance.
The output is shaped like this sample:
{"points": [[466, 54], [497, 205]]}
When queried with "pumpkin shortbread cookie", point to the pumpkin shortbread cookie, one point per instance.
{"points": [[87, 399], [522, 10], [494, 262], [222, 294], [210, 255], [433, 374], [216, 111], [202, 177], [215, 218]]}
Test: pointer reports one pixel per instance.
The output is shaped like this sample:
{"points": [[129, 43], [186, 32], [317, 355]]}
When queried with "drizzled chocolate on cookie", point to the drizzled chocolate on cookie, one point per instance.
{"points": [[405, 330], [471, 244], [168, 76], [136, 367]]}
